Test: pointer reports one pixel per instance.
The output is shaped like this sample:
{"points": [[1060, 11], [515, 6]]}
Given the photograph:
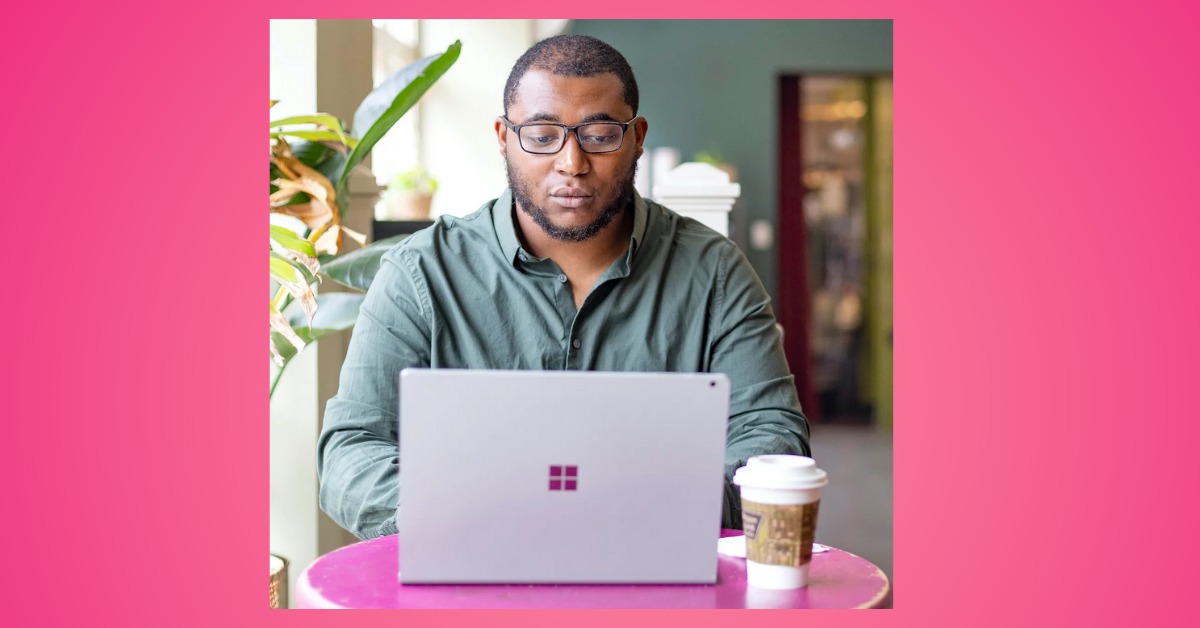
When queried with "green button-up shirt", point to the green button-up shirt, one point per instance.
{"points": [[464, 293]]}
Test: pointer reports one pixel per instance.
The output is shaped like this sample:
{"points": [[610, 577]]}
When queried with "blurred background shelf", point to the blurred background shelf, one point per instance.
{"points": [[387, 228]]}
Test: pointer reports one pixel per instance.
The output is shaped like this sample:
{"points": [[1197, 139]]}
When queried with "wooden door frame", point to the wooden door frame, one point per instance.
{"points": [[791, 290]]}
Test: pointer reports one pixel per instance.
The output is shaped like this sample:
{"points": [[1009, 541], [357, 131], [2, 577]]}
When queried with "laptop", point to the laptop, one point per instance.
{"points": [[560, 476]]}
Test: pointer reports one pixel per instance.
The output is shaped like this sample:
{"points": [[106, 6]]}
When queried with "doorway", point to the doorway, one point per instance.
{"points": [[835, 236]]}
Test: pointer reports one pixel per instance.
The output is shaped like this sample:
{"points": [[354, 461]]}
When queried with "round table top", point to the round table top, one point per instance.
{"points": [[366, 575]]}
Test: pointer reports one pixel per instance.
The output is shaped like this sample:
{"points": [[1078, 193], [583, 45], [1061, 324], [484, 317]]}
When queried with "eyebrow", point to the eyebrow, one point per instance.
{"points": [[543, 116]]}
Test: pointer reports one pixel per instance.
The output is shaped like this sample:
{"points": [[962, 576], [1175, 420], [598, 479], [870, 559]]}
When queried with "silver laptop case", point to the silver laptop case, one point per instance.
{"points": [[560, 477]]}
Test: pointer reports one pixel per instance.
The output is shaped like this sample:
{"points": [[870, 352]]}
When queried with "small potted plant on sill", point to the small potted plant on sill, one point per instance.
{"points": [[409, 195], [714, 158]]}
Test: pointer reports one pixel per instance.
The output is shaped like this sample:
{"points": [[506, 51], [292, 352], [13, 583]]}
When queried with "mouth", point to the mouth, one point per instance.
{"points": [[570, 197]]}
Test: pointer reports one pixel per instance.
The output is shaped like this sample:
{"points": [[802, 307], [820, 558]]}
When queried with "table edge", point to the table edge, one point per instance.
{"points": [[307, 593], [887, 582]]}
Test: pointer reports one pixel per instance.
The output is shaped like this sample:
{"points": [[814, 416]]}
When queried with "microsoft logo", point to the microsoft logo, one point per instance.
{"points": [[563, 478]]}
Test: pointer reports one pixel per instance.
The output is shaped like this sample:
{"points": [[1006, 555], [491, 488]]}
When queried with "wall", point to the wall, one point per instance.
{"points": [[712, 85]]}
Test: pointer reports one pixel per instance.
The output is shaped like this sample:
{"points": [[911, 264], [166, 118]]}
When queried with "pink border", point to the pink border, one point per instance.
{"points": [[1046, 306]]}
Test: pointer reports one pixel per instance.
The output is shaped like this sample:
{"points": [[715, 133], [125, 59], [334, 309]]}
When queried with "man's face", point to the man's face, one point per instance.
{"points": [[571, 195]]}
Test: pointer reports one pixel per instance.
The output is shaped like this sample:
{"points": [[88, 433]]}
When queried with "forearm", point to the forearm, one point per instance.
{"points": [[764, 410], [358, 452], [755, 433], [360, 476]]}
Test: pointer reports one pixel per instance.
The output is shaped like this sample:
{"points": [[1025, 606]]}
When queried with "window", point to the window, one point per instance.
{"points": [[396, 44]]}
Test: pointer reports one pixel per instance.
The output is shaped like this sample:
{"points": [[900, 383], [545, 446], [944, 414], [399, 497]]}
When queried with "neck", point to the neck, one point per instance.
{"points": [[597, 252]]}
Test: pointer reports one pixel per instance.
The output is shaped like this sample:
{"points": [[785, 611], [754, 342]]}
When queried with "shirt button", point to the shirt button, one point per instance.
{"points": [[523, 257], [562, 278], [575, 344]]}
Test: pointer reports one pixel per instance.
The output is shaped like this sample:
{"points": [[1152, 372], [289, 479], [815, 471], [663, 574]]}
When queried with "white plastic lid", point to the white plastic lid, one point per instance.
{"points": [[780, 471]]}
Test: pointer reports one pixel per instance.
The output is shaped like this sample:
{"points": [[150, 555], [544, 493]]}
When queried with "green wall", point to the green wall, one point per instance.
{"points": [[713, 84]]}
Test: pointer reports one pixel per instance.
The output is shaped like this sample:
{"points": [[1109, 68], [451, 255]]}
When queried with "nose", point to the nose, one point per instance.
{"points": [[571, 160]]}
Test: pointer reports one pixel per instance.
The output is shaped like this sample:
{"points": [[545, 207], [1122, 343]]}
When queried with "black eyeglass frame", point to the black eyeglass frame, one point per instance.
{"points": [[568, 131]]}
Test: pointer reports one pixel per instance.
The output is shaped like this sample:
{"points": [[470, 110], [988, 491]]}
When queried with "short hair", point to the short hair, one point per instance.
{"points": [[574, 56]]}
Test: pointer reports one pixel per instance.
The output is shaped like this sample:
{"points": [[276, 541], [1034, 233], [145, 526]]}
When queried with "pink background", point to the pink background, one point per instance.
{"points": [[1046, 308]]}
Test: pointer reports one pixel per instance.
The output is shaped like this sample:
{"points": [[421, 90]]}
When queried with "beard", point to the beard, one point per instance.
{"points": [[522, 191]]}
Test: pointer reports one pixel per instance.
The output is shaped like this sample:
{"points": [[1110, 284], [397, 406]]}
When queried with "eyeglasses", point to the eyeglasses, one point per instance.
{"points": [[544, 138]]}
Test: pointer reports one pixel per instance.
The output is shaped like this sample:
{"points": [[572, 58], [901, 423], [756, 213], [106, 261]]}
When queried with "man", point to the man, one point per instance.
{"points": [[569, 269]]}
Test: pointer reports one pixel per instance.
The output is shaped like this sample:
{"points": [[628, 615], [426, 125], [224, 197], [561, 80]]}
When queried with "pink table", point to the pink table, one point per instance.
{"points": [[364, 575]]}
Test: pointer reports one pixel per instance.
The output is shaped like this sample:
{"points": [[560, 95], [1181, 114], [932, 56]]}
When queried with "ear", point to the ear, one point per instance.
{"points": [[502, 136], [641, 127]]}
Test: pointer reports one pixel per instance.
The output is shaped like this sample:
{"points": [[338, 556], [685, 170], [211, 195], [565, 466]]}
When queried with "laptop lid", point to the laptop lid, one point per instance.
{"points": [[558, 476]]}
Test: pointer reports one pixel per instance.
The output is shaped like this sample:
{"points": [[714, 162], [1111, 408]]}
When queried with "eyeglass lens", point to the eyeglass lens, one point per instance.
{"points": [[593, 138]]}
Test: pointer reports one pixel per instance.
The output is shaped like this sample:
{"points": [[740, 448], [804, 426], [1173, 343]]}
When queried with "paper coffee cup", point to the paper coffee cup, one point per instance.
{"points": [[780, 497]]}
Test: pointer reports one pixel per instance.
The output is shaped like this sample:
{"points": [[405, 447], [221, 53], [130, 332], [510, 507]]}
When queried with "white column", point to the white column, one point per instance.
{"points": [[344, 78], [700, 191], [294, 418]]}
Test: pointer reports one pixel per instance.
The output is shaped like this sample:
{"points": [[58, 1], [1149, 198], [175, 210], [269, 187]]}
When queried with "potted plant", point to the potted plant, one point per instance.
{"points": [[409, 195], [713, 158], [279, 582], [312, 159]]}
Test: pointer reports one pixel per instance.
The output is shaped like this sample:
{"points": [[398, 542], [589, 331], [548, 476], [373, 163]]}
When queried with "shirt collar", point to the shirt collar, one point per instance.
{"points": [[502, 219], [510, 244]]}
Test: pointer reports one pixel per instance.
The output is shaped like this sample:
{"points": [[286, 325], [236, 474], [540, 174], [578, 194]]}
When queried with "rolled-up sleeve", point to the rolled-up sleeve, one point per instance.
{"points": [[764, 410], [358, 458]]}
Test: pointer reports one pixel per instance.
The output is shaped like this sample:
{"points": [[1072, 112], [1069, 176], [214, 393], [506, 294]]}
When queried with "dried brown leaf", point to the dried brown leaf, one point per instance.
{"points": [[320, 209], [311, 263], [280, 324], [313, 216], [282, 157], [304, 172], [276, 356], [326, 242], [302, 293], [356, 236], [289, 188]]}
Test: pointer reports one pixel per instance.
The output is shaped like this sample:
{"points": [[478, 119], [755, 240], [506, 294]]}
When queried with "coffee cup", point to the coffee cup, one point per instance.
{"points": [[780, 497]]}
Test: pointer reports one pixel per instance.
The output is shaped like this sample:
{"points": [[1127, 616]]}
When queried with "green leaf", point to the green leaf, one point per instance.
{"points": [[336, 311], [357, 269], [382, 108], [283, 269], [289, 240], [317, 136], [311, 154], [323, 119]]}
